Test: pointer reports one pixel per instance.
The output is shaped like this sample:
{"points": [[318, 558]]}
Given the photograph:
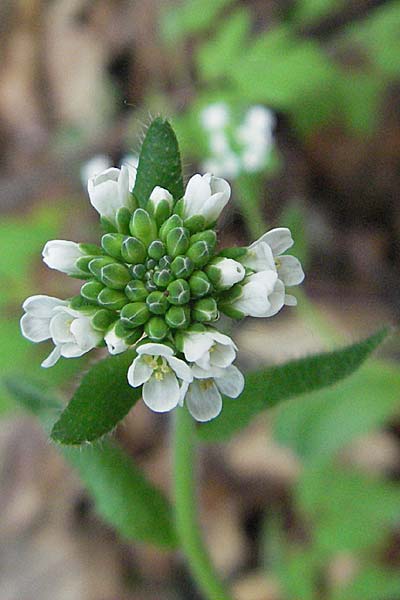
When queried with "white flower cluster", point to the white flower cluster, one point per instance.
{"points": [[234, 150], [195, 364]]}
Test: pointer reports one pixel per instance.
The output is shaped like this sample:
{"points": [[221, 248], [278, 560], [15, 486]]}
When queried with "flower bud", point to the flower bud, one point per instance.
{"points": [[130, 336], [143, 226], [111, 243], [156, 250], [234, 253], [162, 278], [90, 249], [83, 265], [112, 299], [199, 284], [136, 291], [157, 302], [138, 271], [178, 317], [96, 264], [79, 303], [123, 218], [102, 319], [182, 266], [205, 310], [160, 204], [209, 236], [134, 314], [165, 262], [150, 264], [62, 255], [171, 223], [178, 292], [177, 241], [200, 253], [91, 290], [156, 329], [225, 272], [115, 276], [195, 223], [133, 250]]}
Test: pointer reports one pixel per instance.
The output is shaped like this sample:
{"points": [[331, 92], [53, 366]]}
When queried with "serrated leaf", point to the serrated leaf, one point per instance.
{"points": [[320, 424], [159, 163], [101, 401], [266, 388], [122, 494]]}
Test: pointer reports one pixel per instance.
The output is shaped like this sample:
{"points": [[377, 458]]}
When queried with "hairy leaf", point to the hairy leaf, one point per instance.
{"points": [[159, 163], [122, 494], [102, 399], [265, 389]]}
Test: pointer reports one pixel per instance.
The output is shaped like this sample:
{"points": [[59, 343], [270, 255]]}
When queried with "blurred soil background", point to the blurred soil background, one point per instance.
{"points": [[80, 78]]}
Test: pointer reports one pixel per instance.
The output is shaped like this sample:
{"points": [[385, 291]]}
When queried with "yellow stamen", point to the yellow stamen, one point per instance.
{"points": [[206, 384]]}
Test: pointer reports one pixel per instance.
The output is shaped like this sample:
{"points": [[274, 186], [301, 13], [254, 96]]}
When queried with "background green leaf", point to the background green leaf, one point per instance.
{"points": [[266, 388], [122, 494], [159, 163], [102, 399]]}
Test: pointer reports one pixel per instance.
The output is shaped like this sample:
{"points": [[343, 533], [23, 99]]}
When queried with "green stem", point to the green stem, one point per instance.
{"points": [[248, 190], [186, 510]]}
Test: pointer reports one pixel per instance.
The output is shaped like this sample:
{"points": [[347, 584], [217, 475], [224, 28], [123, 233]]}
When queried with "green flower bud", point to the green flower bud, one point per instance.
{"points": [[157, 303], [195, 223], [133, 250], [182, 266], [163, 277], [134, 314], [102, 319], [178, 317], [122, 218], [160, 204], [91, 290], [112, 299], [143, 226], [138, 271], [90, 249], [82, 263], [111, 244], [179, 292], [131, 336], [115, 276], [209, 236], [205, 310], [136, 291], [230, 312], [79, 303], [156, 329], [165, 262], [233, 294], [96, 264], [177, 241], [234, 253], [156, 250], [200, 253], [150, 264], [199, 284], [171, 223], [107, 226], [151, 286]]}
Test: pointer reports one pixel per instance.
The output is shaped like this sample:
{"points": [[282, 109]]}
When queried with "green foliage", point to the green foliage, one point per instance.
{"points": [[122, 494], [308, 11], [101, 401], [159, 163], [294, 217], [316, 426], [190, 17], [265, 389]]}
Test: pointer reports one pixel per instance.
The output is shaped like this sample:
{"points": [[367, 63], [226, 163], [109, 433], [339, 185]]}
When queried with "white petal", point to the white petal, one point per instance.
{"points": [[155, 350], [195, 345], [182, 370], [290, 270], [259, 258], [42, 306], [182, 392], [104, 193], [52, 358], [158, 194], [231, 383], [211, 371], [290, 300], [196, 194], [139, 372], [203, 400], [61, 255], [231, 272], [34, 329], [277, 299], [222, 356], [213, 207], [72, 350], [123, 186], [162, 395], [279, 240], [115, 344], [85, 336], [60, 327], [255, 298]]}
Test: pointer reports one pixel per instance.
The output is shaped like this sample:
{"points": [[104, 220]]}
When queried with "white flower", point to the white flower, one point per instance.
{"points": [[158, 194], [206, 195], [115, 344], [225, 272], [260, 118], [215, 116], [203, 396], [94, 166], [160, 371], [209, 349], [62, 255], [71, 331], [110, 190], [261, 295]]}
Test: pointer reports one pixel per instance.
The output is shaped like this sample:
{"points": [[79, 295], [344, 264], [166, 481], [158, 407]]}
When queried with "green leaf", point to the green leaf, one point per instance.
{"points": [[374, 582], [159, 163], [189, 17], [122, 494], [294, 216], [101, 401], [308, 11], [320, 424], [264, 389]]}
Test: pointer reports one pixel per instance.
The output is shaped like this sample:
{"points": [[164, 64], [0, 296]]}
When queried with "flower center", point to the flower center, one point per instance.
{"points": [[159, 365], [278, 263], [206, 384]]}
